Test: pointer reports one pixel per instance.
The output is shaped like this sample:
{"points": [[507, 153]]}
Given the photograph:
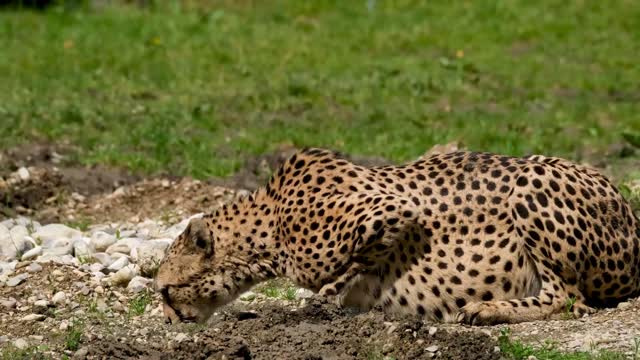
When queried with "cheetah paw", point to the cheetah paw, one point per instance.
{"points": [[479, 314], [579, 310]]}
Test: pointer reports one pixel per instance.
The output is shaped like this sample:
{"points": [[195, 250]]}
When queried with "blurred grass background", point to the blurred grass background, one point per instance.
{"points": [[195, 87]]}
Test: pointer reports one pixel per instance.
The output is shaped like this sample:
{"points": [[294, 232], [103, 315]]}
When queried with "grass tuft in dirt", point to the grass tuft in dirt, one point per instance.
{"points": [[517, 350], [73, 336], [10, 352], [278, 289], [139, 303]]}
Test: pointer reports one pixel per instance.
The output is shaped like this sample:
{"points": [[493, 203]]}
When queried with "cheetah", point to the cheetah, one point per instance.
{"points": [[474, 238]]}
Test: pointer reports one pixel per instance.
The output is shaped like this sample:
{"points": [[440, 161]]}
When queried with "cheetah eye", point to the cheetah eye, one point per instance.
{"points": [[201, 243]]}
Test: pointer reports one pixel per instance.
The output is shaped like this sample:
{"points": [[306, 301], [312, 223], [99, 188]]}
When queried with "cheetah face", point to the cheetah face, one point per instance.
{"points": [[194, 277]]}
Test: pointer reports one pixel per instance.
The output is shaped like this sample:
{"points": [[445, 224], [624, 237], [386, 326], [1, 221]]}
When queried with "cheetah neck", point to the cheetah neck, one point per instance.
{"points": [[255, 240]]}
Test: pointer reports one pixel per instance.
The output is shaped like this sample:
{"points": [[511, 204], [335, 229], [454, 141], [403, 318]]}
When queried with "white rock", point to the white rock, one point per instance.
{"points": [[127, 233], [98, 275], [14, 242], [41, 303], [624, 305], [117, 306], [124, 275], [57, 247], [59, 298], [57, 259], [432, 348], [21, 344], [102, 240], [9, 303], [37, 338], [34, 267], [433, 330], [138, 284], [57, 273], [102, 306], [103, 258], [28, 223], [96, 267], [33, 317], [118, 264], [115, 256], [247, 296], [177, 229], [7, 267], [64, 325], [32, 254], [81, 353], [9, 223], [23, 173], [181, 337], [149, 254], [17, 280], [304, 293], [53, 232], [82, 248], [124, 246], [19, 232]]}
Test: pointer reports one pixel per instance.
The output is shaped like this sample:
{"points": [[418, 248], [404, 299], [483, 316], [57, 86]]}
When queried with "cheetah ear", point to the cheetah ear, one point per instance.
{"points": [[200, 236]]}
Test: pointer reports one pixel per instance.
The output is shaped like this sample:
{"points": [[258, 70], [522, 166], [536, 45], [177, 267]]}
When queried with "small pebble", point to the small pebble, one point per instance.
{"points": [[41, 303], [21, 344], [17, 280], [81, 353], [33, 317], [624, 305], [34, 268], [181, 337], [59, 298], [9, 303], [432, 348], [32, 254]]}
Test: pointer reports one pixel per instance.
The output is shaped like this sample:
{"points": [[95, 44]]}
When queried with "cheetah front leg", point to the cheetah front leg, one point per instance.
{"points": [[555, 296]]}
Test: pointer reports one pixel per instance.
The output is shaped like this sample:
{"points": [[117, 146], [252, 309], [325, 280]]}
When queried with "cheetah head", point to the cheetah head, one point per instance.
{"points": [[207, 267]]}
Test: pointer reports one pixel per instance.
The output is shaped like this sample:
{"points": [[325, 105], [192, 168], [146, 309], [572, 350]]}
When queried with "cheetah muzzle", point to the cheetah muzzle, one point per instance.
{"points": [[463, 237]]}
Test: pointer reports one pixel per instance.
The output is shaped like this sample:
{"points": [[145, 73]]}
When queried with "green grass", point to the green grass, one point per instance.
{"points": [[517, 350], [278, 289], [195, 90], [73, 336], [568, 308], [139, 303], [10, 352]]}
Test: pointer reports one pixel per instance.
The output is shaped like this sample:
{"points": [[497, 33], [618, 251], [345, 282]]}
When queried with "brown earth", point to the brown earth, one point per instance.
{"points": [[315, 331], [259, 329], [61, 190]]}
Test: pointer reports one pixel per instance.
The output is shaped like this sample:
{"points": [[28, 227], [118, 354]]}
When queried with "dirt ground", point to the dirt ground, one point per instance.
{"points": [[58, 190], [61, 190], [263, 328]]}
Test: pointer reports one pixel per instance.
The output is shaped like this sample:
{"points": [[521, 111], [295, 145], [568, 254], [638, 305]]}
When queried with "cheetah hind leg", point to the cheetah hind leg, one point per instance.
{"points": [[566, 299]]}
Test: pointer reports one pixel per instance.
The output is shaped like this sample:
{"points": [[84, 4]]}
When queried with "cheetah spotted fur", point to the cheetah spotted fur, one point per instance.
{"points": [[467, 237]]}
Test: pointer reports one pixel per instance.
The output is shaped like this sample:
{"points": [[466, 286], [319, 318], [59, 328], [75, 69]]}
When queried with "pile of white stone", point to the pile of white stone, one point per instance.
{"points": [[119, 254]]}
